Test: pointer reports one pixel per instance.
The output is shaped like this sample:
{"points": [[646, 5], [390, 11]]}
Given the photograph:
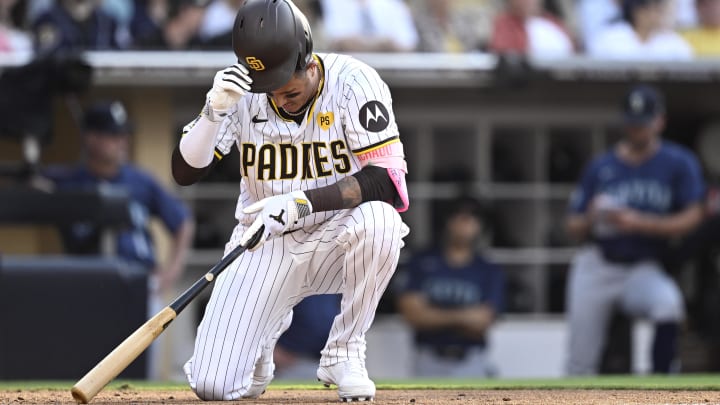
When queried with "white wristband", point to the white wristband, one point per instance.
{"points": [[197, 146]]}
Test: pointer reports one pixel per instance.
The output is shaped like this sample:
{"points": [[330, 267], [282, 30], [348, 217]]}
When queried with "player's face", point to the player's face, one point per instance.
{"points": [[301, 87], [107, 149], [463, 228], [643, 135]]}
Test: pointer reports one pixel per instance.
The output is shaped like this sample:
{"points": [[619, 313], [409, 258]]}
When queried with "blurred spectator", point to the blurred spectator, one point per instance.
{"points": [[525, 28], [705, 39], [451, 296], [216, 27], [120, 10], [106, 138], [297, 352], [37, 7], [314, 13], [147, 23], [631, 202], [13, 40], [642, 34], [369, 26], [76, 25], [164, 24], [453, 25], [594, 16], [682, 14]]}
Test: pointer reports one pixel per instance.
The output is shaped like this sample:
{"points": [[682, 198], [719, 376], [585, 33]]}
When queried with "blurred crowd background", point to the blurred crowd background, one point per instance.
{"points": [[612, 29]]}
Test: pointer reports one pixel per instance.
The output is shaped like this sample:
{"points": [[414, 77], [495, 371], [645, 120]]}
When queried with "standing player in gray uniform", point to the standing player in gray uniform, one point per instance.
{"points": [[630, 203], [323, 179]]}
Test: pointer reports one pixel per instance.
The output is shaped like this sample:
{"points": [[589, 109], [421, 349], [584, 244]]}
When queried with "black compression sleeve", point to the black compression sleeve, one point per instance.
{"points": [[183, 173], [375, 184], [328, 198]]}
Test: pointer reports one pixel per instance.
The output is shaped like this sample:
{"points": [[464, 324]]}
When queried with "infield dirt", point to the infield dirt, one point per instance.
{"points": [[408, 397]]}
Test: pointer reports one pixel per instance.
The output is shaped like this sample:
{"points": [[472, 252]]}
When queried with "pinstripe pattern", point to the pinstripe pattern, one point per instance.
{"points": [[353, 252], [349, 84]]}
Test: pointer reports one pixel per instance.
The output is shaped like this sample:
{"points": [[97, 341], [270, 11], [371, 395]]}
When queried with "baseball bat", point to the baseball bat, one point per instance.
{"points": [[127, 351]]}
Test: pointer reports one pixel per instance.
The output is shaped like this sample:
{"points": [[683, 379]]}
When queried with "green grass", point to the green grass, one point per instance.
{"points": [[679, 382], [676, 382]]}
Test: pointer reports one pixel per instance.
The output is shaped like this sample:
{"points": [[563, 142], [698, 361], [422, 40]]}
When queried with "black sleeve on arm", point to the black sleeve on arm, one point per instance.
{"points": [[372, 184], [375, 184], [183, 173]]}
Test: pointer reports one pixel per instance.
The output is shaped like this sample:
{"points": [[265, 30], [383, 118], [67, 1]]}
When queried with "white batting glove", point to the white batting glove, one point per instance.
{"points": [[276, 215], [229, 85]]}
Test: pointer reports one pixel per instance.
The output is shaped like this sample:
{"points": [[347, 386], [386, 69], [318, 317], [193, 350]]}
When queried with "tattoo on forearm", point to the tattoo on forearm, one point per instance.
{"points": [[350, 192]]}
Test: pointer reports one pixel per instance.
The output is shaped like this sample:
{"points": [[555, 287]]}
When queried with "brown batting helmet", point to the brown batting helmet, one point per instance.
{"points": [[272, 39]]}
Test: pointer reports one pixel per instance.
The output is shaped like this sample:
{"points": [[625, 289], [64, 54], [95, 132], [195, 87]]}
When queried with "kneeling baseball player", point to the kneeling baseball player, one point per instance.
{"points": [[323, 180]]}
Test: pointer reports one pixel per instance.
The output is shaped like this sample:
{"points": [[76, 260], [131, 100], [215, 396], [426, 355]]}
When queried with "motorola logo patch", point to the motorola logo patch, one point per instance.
{"points": [[374, 116]]}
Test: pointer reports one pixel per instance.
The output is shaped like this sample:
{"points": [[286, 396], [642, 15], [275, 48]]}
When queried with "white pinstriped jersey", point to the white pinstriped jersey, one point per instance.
{"points": [[351, 115]]}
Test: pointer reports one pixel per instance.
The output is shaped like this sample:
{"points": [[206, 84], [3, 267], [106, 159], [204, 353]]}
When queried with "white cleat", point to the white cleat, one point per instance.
{"points": [[351, 378]]}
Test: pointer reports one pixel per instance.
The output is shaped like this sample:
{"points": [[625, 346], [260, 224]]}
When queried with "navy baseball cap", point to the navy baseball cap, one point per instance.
{"points": [[642, 104], [107, 118]]}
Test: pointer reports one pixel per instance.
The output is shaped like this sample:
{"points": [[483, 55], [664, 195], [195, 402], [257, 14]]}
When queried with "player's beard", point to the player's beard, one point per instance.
{"points": [[642, 139], [638, 145], [106, 163]]}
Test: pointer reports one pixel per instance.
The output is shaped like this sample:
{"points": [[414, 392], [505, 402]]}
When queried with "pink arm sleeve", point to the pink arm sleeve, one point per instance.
{"points": [[390, 156]]}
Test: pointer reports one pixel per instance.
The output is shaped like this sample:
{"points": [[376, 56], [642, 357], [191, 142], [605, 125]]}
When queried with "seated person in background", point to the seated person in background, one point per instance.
{"points": [[165, 24], [453, 25], [77, 25], [525, 28], [451, 296], [368, 26], [106, 132], [705, 39], [217, 24], [630, 203], [593, 16], [297, 352], [641, 35]]}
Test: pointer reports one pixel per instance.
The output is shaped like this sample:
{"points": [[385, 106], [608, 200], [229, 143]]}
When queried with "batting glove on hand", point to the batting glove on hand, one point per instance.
{"points": [[276, 215], [229, 85]]}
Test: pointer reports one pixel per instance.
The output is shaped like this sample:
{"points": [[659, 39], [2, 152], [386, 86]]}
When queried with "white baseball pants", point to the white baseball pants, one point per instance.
{"points": [[355, 253]]}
